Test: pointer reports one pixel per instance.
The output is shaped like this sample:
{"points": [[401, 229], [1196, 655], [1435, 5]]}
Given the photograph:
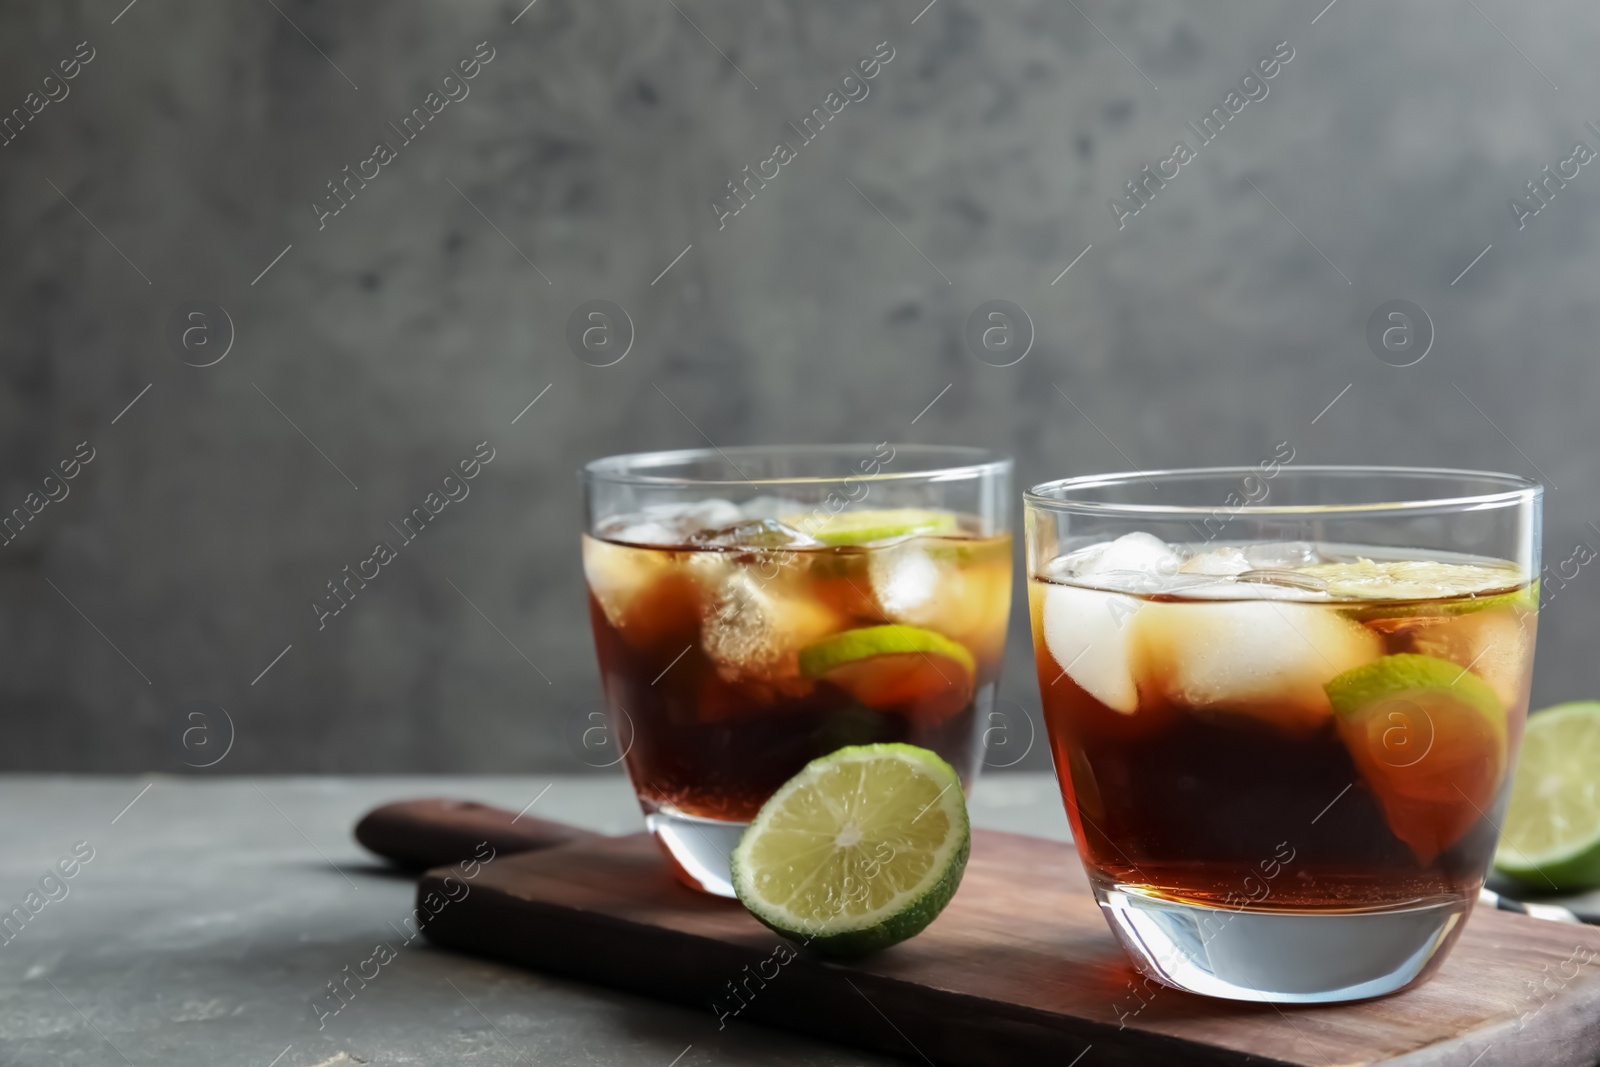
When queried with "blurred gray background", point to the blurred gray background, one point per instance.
{"points": [[372, 354]]}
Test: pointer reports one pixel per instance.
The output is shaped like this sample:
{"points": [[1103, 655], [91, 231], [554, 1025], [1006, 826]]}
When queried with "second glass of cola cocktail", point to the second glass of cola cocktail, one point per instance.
{"points": [[1284, 705], [755, 608]]}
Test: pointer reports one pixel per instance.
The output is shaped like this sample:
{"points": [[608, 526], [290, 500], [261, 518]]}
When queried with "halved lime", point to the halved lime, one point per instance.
{"points": [[1429, 738], [1551, 834], [859, 851], [920, 673], [865, 527]]}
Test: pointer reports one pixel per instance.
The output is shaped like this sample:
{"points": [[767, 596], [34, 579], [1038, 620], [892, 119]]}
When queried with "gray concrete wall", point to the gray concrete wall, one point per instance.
{"points": [[421, 319]]}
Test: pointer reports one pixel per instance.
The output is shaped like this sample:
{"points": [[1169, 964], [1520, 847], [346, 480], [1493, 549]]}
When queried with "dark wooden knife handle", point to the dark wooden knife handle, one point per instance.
{"points": [[436, 831]]}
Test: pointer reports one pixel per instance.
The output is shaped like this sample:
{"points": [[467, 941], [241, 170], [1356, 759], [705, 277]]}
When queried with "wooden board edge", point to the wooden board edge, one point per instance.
{"points": [[855, 1008], [1567, 1032]]}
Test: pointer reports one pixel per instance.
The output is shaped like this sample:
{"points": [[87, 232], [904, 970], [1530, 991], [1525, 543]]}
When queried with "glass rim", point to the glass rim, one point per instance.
{"points": [[1052, 494], [959, 462]]}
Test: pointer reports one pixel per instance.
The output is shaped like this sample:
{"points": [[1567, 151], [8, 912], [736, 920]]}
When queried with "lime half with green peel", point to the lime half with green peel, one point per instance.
{"points": [[922, 674], [1551, 835], [867, 527], [859, 851], [1429, 738]]}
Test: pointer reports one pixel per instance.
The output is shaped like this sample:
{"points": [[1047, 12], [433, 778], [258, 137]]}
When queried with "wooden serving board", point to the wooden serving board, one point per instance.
{"points": [[1021, 968]]}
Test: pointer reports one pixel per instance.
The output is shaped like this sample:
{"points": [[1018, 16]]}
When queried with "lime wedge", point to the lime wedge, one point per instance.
{"points": [[859, 851], [1429, 739], [865, 527], [919, 673], [1551, 834], [1359, 692]]}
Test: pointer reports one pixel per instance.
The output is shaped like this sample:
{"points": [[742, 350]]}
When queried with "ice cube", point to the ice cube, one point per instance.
{"points": [[705, 514], [1252, 585], [1219, 561], [771, 507], [616, 574], [1135, 562], [756, 534], [671, 524], [644, 533], [753, 630], [1495, 644], [960, 590], [1265, 659], [1089, 633], [1238, 589], [1131, 552], [1283, 555], [645, 594], [907, 580]]}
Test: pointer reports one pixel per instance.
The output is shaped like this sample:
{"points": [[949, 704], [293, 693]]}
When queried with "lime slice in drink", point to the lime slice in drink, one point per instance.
{"points": [[1551, 834], [866, 527], [852, 646], [1429, 738], [918, 672], [859, 851], [1468, 586], [1404, 579]]}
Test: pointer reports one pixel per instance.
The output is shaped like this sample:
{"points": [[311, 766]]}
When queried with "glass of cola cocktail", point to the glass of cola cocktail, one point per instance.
{"points": [[755, 608], [1284, 704]]}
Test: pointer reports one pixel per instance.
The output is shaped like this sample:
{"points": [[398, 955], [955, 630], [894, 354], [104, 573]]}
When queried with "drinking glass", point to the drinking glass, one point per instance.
{"points": [[756, 608], [1284, 703]]}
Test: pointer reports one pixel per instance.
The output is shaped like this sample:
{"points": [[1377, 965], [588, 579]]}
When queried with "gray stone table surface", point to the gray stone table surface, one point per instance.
{"points": [[212, 912]]}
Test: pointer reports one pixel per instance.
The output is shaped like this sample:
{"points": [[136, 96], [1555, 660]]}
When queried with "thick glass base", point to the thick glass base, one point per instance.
{"points": [[1289, 957], [697, 848]]}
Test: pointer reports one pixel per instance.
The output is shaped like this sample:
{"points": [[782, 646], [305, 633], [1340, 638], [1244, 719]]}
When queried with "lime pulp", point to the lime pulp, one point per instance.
{"points": [[859, 851], [1551, 835]]}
